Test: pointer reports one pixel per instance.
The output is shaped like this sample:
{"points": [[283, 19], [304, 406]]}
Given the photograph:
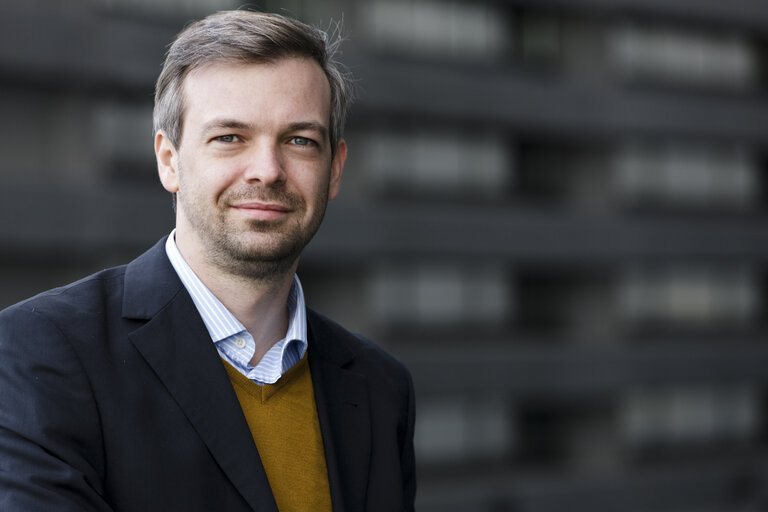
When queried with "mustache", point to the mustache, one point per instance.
{"points": [[261, 194]]}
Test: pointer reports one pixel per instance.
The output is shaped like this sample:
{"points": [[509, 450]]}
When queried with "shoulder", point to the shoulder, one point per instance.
{"points": [[94, 297], [327, 331], [353, 350], [80, 297], [86, 298]]}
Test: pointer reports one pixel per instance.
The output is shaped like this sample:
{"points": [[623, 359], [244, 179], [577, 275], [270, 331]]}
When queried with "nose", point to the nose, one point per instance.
{"points": [[264, 164]]}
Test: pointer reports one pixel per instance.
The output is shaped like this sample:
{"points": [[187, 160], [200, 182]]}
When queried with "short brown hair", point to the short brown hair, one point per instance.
{"points": [[247, 37]]}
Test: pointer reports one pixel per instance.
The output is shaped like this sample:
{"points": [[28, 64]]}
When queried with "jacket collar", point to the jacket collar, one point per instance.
{"points": [[150, 284]]}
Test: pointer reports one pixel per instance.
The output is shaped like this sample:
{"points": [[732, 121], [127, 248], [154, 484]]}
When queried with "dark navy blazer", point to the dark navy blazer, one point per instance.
{"points": [[113, 397]]}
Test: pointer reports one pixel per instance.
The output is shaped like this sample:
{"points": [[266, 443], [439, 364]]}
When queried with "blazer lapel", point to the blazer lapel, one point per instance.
{"points": [[175, 340], [343, 411]]}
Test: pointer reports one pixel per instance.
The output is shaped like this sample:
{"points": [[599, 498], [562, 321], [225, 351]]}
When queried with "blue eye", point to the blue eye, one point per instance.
{"points": [[228, 138], [301, 141]]}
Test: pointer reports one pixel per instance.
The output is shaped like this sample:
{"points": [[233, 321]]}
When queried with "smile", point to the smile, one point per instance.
{"points": [[262, 211]]}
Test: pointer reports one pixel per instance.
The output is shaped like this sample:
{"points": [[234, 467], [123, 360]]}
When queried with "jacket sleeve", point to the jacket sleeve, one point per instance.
{"points": [[51, 455]]}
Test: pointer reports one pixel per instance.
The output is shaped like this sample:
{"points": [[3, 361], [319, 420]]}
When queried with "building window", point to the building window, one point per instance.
{"points": [[461, 429], [673, 56], [435, 295], [690, 296], [454, 29], [687, 175], [430, 162], [689, 415]]}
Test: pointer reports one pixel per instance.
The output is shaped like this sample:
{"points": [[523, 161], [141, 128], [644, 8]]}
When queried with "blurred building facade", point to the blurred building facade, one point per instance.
{"points": [[554, 212]]}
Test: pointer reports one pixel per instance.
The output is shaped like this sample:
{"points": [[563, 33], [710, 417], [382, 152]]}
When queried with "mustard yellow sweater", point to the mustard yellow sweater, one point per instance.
{"points": [[283, 421]]}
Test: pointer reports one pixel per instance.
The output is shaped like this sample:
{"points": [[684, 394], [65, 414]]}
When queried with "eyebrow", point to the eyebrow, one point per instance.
{"points": [[226, 123], [311, 126], [234, 124]]}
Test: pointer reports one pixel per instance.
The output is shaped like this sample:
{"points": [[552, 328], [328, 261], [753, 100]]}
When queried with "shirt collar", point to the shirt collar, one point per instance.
{"points": [[219, 321]]}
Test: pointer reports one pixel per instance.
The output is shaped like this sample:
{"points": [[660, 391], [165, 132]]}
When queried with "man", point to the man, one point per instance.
{"points": [[194, 378]]}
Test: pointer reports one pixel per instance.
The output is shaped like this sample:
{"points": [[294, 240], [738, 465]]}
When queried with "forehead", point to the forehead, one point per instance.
{"points": [[285, 91]]}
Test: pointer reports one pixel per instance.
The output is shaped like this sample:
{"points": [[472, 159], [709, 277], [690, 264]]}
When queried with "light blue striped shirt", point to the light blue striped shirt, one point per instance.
{"points": [[232, 341]]}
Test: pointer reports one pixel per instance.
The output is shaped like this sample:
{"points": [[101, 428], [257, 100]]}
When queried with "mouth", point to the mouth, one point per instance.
{"points": [[262, 211]]}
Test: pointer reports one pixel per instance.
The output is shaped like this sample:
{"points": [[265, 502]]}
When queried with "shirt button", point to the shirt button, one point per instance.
{"points": [[239, 342]]}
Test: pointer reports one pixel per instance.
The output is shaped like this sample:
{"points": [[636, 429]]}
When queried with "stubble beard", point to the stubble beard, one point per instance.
{"points": [[254, 250]]}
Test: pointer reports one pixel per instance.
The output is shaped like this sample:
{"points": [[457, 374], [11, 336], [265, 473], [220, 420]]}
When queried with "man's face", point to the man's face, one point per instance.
{"points": [[253, 171]]}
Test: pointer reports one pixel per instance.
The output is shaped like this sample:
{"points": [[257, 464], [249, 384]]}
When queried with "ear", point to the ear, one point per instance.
{"points": [[337, 168], [167, 162]]}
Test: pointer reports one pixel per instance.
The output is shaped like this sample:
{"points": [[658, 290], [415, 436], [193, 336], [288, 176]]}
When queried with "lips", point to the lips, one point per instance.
{"points": [[262, 206], [262, 211]]}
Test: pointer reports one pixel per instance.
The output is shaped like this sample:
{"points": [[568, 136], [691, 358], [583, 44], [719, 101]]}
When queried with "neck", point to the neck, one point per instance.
{"points": [[259, 303]]}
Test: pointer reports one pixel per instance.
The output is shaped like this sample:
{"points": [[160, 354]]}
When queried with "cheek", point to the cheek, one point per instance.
{"points": [[304, 179], [202, 183], [315, 189]]}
